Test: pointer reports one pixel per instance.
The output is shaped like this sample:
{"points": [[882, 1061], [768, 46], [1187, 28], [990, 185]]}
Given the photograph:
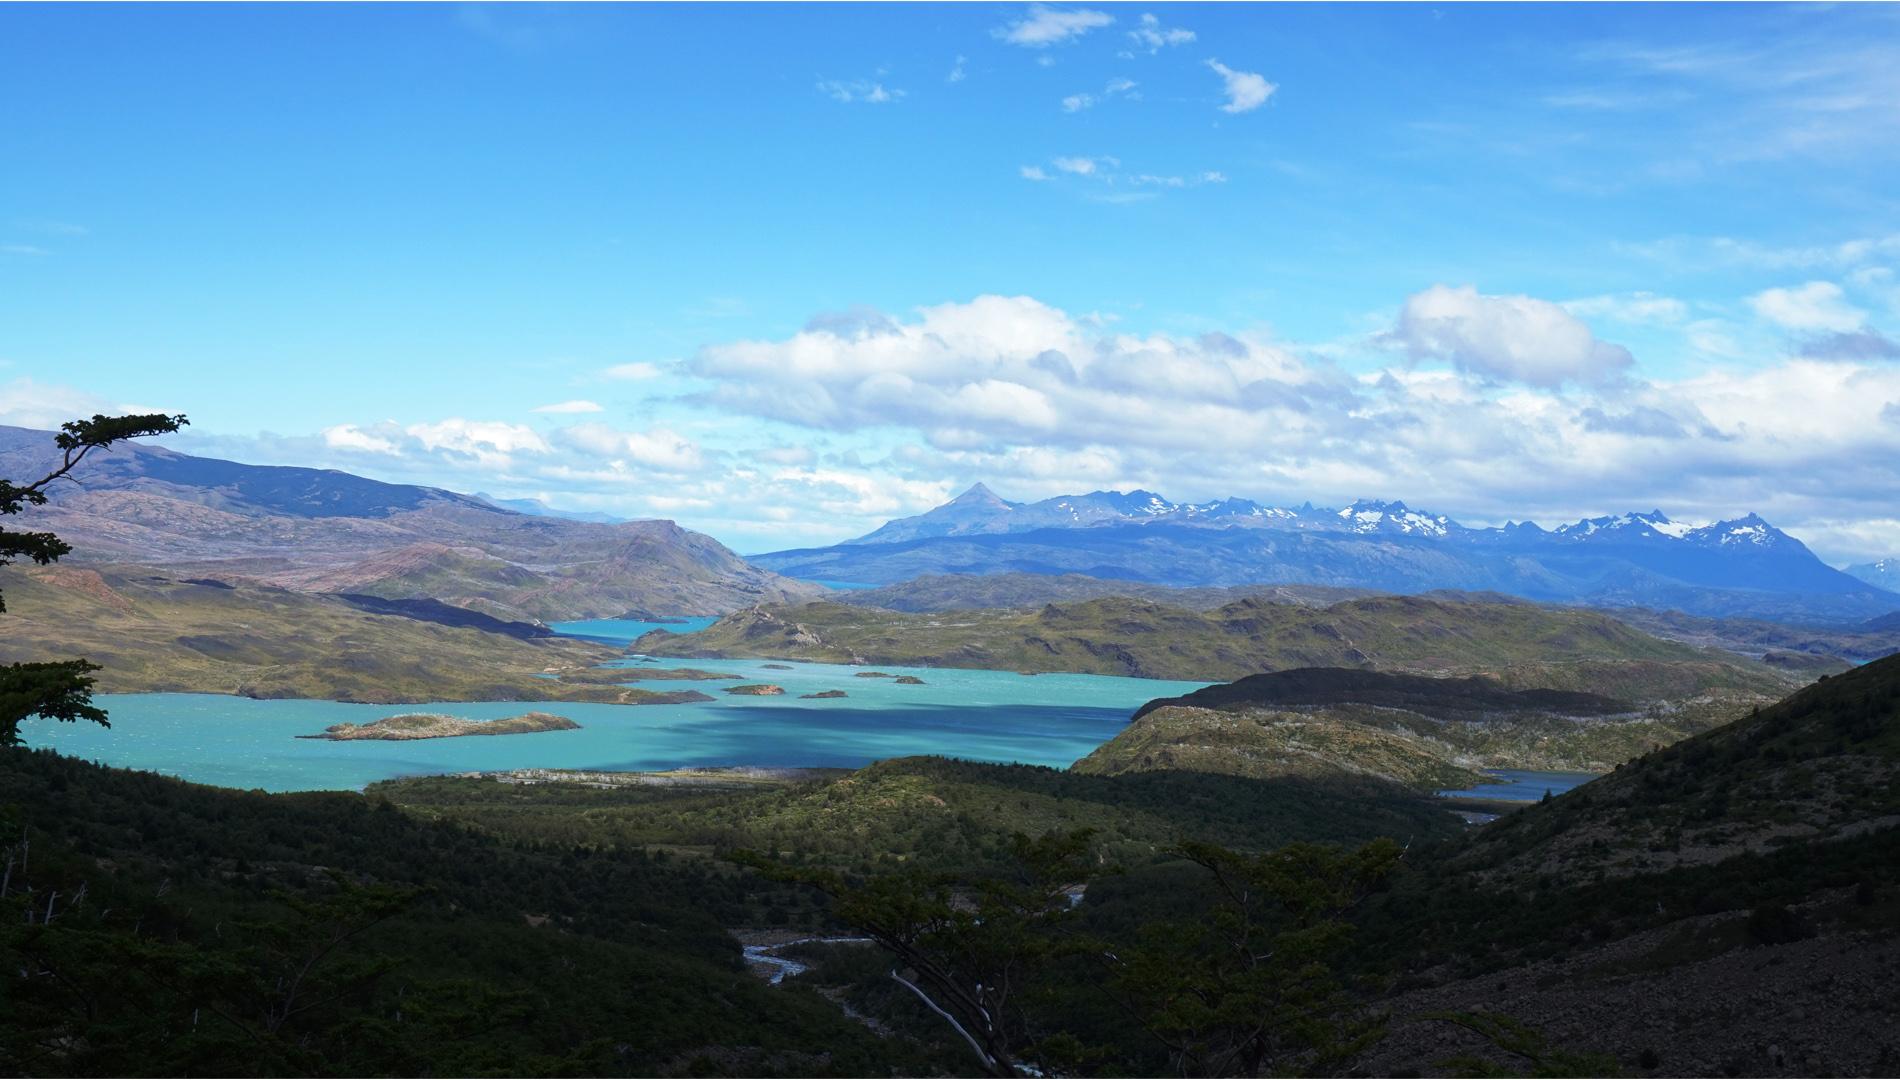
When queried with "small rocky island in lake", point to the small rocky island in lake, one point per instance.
{"points": [[874, 674], [438, 726], [909, 680], [778, 667], [756, 690], [826, 694]]}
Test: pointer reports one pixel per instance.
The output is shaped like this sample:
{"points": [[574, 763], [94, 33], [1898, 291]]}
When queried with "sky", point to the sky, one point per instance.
{"points": [[783, 273]]}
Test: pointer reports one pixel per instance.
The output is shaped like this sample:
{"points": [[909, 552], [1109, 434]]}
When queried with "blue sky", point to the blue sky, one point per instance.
{"points": [[781, 273]]}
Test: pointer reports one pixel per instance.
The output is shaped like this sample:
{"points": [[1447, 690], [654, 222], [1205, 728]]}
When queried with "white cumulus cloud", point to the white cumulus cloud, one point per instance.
{"points": [[564, 407], [1246, 90], [1516, 338]]}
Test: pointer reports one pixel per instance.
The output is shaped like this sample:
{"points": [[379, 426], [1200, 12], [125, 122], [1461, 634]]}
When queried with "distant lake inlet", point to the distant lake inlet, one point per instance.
{"points": [[1522, 785]]}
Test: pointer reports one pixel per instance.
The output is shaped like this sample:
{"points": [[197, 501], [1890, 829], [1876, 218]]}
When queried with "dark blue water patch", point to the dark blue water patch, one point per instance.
{"points": [[242, 743], [1523, 785]]}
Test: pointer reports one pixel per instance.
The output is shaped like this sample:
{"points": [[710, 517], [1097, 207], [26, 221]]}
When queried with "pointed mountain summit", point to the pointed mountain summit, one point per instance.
{"points": [[977, 510], [979, 494]]}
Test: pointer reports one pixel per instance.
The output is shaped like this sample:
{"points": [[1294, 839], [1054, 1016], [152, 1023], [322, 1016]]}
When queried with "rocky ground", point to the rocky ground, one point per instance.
{"points": [[1826, 1006]]}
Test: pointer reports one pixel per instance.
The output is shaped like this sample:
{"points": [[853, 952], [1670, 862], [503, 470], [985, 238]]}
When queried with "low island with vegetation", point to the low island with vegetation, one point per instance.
{"points": [[406, 726]]}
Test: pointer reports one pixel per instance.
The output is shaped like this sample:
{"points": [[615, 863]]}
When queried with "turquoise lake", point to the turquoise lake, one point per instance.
{"points": [[982, 715]]}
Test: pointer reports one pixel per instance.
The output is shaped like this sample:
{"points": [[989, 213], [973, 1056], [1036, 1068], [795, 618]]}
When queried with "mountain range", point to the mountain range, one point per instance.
{"points": [[1739, 567], [321, 530], [1883, 573]]}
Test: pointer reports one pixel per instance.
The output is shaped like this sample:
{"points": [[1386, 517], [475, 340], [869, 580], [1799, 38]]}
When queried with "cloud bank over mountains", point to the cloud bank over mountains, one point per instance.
{"points": [[1490, 407]]}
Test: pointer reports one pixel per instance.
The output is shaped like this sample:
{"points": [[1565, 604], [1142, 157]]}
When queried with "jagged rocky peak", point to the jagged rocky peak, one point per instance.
{"points": [[1635, 523], [1750, 529], [1141, 501], [1377, 515]]}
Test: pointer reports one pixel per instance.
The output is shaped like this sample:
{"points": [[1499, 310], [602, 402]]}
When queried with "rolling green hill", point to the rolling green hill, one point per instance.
{"points": [[1519, 645], [156, 633], [1412, 729]]}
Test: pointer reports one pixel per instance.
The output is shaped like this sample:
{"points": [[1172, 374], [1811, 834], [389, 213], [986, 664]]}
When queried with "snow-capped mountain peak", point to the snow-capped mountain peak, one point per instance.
{"points": [[1749, 530], [1633, 524], [1373, 515]]}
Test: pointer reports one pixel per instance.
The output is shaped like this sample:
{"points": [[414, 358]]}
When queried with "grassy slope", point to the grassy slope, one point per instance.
{"points": [[1401, 744], [1266, 743], [1408, 728], [1522, 645], [566, 570], [159, 634]]}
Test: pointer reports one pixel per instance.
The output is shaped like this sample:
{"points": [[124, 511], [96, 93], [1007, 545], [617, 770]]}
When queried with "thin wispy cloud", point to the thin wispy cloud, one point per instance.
{"points": [[1151, 180], [1729, 251], [1634, 307], [1115, 88], [517, 27], [1081, 166], [1044, 26], [866, 91], [1153, 37], [638, 370], [563, 408], [44, 227], [1817, 305], [1103, 180], [1805, 93], [957, 72]]}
